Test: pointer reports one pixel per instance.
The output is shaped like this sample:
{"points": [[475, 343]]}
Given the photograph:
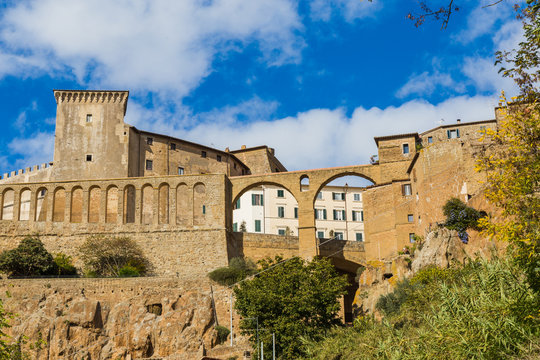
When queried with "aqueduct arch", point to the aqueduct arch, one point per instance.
{"points": [[318, 178]]}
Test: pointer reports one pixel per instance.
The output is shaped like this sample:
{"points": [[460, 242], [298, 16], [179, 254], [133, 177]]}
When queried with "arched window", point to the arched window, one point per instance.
{"points": [[76, 205], [94, 204], [129, 204], [24, 205], [41, 205], [59, 204], [7, 204], [147, 199], [200, 208], [183, 208], [163, 203], [111, 205]]}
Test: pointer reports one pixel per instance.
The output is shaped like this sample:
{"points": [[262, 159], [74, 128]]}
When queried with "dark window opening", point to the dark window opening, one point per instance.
{"points": [[149, 140], [88, 157], [173, 146], [203, 154], [149, 164]]}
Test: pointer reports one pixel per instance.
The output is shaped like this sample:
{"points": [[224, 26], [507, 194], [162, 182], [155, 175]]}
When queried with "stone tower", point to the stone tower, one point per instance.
{"points": [[92, 139]]}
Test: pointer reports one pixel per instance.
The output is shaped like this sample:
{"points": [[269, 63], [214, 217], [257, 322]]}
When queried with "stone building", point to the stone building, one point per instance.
{"points": [[108, 177]]}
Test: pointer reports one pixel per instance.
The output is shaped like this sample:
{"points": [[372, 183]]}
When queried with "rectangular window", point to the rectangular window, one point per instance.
{"points": [[320, 214], [452, 134], [257, 225], [319, 196], [237, 204], [203, 154], [218, 158], [204, 209], [180, 170], [257, 200], [357, 197], [149, 140], [281, 232], [320, 234], [234, 165], [357, 215], [338, 196], [88, 157], [339, 215], [430, 140], [281, 211], [405, 148], [149, 164], [406, 190], [89, 118], [235, 227], [338, 235], [412, 238], [410, 218], [359, 236], [173, 146], [280, 193], [296, 213]]}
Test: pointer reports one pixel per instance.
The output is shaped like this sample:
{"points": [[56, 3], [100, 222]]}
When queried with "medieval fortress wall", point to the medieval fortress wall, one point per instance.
{"points": [[175, 197]]}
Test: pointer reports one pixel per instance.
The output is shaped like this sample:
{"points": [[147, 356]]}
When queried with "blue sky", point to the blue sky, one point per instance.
{"points": [[316, 80]]}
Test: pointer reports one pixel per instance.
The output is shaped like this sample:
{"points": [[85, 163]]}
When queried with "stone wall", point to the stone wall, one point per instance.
{"points": [[179, 221]]}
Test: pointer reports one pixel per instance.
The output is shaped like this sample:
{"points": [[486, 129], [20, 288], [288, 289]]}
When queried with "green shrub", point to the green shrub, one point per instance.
{"points": [[461, 217], [238, 269], [128, 271], [64, 264], [30, 258], [222, 334], [106, 256]]}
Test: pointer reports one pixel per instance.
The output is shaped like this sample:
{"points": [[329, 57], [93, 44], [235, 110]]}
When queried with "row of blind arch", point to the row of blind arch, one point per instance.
{"points": [[97, 205]]}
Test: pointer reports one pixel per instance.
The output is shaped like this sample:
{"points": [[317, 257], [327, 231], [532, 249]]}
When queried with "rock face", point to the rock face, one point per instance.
{"points": [[442, 247], [78, 319]]}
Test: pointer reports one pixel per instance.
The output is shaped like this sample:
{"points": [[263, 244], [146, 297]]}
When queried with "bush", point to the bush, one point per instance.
{"points": [[64, 264], [222, 334], [461, 217], [238, 269], [30, 258], [107, 256]]}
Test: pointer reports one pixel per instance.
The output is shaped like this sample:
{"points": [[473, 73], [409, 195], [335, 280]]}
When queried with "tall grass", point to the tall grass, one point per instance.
{"points": [[483, 310]]}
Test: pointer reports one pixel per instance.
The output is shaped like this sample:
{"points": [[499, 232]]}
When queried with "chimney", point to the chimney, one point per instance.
{"points": [[458, 121], [243, 147], [227, 149]]}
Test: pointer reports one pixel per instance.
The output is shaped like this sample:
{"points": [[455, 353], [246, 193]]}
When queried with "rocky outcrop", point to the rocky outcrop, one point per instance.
{"points": [[120, 320], [441, 248]]}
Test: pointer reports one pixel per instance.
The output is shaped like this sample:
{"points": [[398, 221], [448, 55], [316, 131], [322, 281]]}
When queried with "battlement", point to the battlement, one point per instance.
{"points": [[92, 96]]}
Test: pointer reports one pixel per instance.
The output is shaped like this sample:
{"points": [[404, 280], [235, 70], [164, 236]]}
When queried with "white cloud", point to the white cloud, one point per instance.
{"points": [[28, 151], [483, 20], [160, 45], [485, 77], [350, 9], [425, 84]]}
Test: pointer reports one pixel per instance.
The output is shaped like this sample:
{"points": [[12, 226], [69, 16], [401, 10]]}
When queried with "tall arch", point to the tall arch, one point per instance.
{"points": [[24, 205], [163, 203], [94, 204], [111, 205], [76, 205], [59, 204], [41, 204], [183, 205], [147, 205], [129, 204], [200, 206], [7, 204]]}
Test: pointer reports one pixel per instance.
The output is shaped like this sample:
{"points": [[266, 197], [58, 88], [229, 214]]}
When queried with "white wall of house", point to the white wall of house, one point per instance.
{"points": [[339, 212]]}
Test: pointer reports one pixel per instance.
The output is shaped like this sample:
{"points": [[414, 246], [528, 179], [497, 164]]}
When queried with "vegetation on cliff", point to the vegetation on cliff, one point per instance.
{"points": [[482, 310], [290, 299], [238, 269]]}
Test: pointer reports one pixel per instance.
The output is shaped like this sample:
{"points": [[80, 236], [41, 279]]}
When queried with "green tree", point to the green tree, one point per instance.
{"points": [[64, 264], [113, 256], [512, 166], [291, 298], [30, 258]]}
